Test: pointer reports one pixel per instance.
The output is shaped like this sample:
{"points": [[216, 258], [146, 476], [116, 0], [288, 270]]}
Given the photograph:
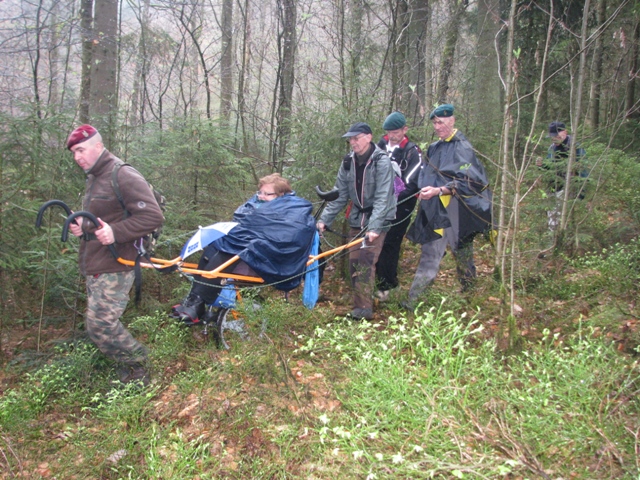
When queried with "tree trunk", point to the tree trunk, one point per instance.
{"points": [[577, 114], [456, 10], [485, 104], [244, 69], [397, 48], [86, 26], [417, 61], [104, 104], [34, 54], [54, 60], [226, 62], [287, 53], [596, 69], [631, 107], [507, 229], [139, 77]]}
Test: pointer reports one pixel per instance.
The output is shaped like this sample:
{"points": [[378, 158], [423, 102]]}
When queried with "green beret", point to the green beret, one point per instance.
{"points": [[444, 110], [395, 121]]}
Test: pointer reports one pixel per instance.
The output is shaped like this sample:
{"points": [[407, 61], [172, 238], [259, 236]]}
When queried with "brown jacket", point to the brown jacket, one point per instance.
{"points": [[100, 199]]}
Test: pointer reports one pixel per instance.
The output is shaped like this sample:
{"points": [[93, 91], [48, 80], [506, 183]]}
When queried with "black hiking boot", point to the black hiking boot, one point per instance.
{"points": [[190, 311]]}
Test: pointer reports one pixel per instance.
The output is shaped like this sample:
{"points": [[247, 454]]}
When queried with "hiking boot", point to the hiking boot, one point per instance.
{"points": [[383, 295], [408, 305], [190, 311], [134, 374], [361, 313]]}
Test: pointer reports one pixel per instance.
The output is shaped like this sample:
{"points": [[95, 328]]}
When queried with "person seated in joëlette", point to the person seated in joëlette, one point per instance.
{"points": [[273, 239]]}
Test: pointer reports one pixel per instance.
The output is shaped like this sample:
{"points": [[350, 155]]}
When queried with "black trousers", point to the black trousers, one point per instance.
{"points": [[387, 266], [209, 288]]}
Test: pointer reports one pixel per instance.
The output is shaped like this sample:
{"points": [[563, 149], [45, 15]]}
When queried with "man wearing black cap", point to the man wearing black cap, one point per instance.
{"points": [[108, 282], [556, 164], [455, 205], [406, 161], [366, 178]]}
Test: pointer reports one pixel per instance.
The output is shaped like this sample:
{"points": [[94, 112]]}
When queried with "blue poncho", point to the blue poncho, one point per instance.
{"points": [[274, 238]]}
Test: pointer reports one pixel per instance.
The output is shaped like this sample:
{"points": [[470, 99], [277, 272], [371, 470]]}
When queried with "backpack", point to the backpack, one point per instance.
{"points": [[148, 243]]}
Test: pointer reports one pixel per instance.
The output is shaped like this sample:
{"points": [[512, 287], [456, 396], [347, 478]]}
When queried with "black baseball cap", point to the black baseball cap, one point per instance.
{"points": [[357, 129], [555, 127]]}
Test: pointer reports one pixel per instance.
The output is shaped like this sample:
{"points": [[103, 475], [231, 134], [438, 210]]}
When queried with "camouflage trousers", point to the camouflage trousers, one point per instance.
{"points": [[107, 298]]}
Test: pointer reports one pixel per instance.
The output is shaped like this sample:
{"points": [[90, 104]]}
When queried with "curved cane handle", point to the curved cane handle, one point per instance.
{"points": [[91, 217], [48, 204]]}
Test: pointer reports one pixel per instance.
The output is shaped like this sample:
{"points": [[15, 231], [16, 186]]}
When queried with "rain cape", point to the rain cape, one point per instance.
{"points": [[452, 164], [274, 238]]}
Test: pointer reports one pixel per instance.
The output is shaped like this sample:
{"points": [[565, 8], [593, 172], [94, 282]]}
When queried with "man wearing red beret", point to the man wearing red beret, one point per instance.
{"points": [[108, 281]]}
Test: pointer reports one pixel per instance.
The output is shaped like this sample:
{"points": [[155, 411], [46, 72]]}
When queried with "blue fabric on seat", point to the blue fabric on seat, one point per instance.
{"points": [[274, 238]]}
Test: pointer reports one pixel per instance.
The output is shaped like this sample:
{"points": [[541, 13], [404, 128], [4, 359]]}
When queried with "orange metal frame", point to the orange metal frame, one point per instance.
{"points": [[192, 268]]}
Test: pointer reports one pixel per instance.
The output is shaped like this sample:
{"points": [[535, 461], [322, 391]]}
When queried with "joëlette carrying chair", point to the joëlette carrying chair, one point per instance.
{"points": [[216, 315]]}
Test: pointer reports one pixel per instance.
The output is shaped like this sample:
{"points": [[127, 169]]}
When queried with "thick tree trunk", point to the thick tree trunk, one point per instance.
{"points": [[287, 48], [86, 27], [104, 63], [486, 101], [456, 10], [631, 107]]}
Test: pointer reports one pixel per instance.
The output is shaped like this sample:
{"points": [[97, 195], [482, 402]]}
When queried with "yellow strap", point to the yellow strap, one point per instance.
{"points": [[448, 139]]}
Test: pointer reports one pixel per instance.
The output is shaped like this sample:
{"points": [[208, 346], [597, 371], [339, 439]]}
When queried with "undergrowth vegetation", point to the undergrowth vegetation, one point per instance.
{"points": [[424, 395]]}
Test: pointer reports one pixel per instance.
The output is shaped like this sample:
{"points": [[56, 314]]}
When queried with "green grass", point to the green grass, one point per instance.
{"points": [[311, 396]]}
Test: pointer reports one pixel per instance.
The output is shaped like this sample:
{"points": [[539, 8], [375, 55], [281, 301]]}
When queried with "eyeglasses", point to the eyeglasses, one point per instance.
{"points": [[355, 138], [265, 194]]}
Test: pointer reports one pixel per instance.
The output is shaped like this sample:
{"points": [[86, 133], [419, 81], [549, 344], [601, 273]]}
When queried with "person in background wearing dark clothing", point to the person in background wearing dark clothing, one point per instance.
{"points": [[109, 282], [366, 178], [455, 205], [556, 163], [406, 161]]}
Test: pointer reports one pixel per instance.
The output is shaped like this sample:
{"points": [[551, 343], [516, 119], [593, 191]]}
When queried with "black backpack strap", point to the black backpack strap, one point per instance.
{"points": [[346, 162], [116, 187]]}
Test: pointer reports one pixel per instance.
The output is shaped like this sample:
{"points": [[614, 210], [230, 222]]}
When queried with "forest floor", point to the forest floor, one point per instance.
{"points": [[289, 401]]}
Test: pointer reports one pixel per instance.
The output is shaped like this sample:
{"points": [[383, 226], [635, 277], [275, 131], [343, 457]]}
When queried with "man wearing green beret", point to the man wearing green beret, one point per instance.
{"points": [[455, 205], [406, 160]]}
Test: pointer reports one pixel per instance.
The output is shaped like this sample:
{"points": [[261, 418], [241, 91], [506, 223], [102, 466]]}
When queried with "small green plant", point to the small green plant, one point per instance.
{"points": [[419, 393], [65, 376]]}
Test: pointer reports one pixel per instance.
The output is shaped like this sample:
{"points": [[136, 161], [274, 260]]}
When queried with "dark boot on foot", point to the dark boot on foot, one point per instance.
{"points": [[190, 311]]}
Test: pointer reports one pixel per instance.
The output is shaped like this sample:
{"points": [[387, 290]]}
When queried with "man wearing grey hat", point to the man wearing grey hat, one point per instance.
{"points": [[406, 160], [366, 178], [455, 205]]}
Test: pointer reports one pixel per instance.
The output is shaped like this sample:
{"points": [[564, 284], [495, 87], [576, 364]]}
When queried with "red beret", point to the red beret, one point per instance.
{"points": [[80, 134]]}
